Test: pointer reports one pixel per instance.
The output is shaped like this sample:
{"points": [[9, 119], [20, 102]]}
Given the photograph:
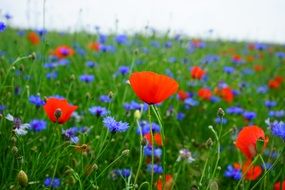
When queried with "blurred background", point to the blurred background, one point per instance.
{"points": [[251, 20]]}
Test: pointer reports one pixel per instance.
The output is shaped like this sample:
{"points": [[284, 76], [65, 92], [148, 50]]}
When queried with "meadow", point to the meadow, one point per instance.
{"points": [[220, 129]]}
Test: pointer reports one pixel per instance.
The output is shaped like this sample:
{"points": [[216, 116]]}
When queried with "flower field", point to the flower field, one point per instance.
{"points": [[143, 111]]}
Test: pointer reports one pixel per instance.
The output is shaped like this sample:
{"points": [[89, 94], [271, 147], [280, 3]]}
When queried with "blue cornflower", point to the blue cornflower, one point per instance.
{"points": [[71, 134], [51, 65], [115, 126], [98, 111], [52, 75], [122, 39], [270, 104], [2, 26], [38, 125], [105, 99], [145, 127], [234, 110], [41, 32], [277, 114], [260, 46], [155, 44], [52, 182], [63, 62], [133, 105], [262, 89], [210, 59], [172, 59], [215, 99], [180, 116], [229, 70], [87, 78], [36, 100], [249, 115], [278, 129], [190, 102], [2, 108], [90, 64], [168, 44], [247, 71], [233, 173], [218, 120], [102, 38], [125, 173], [280, 54], [124, 70], [8, 16], [157, 152], [155, 167], [107, 48]]}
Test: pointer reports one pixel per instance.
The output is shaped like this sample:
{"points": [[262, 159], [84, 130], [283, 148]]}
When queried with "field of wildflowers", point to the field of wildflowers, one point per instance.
{"points": [[142, 111]]}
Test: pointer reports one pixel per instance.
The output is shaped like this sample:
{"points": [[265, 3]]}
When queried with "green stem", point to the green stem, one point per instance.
{"points": [[141, 154], [152, 149]]}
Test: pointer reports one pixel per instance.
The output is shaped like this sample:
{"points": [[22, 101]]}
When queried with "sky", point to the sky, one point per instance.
{"points": [[253, 20]]}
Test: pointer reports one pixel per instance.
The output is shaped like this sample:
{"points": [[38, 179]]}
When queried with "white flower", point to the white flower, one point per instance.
{"points": [[185, 154], [19, 128]]}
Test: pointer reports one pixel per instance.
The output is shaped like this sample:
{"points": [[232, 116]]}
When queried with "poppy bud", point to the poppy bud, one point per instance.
{"points": [[221, 112], [137, 115], [111, 94], [57, 113], [15, 150], [126, 152], [213, 185], [22, 178]]}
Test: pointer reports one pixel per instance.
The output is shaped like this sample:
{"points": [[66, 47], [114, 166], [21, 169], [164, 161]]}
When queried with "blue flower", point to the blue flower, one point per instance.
{"points": [[2, 108], [155, 167], [38, 125], [234, 110], [36, 100], [218, 120], [145, 127], [52, 182], [105, 99], [233, 173], [124, 70], [278, 129], [122, 39], [102, 38], [114, 126], [180, 116], [168, 44], [280, 54], [90, 64], [190, 102], [277, 114], [210, 59], [133, 105], [249, 115], [98, 111], [51, 75], [270, 104], [229, 70], [2, 26], [87, 78], [157, 152], [172, 59], [262, 89], [125, 172]]}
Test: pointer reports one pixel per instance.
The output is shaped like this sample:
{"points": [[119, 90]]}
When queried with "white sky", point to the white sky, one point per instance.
{"points": [[262, 20]]}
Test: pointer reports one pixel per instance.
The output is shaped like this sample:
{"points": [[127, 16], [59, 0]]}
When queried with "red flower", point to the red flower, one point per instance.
{"points": [[258, 68], [273, 84], [156, 137], [251, 172], [278, 184], [168, 183], [33, 38], [182, 95], [151, 87], [197, 72], [63, 51], [205, 94], [95, 46], [227, 94], [247, 138], [58, 110]]}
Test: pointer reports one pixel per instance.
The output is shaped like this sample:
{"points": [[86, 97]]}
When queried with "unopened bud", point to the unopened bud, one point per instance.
{"points": [[221, 112], [15, 150], [111, 94], [72, 77], [126, 152], [22, 178], [57, 113], [33, 56], [137, 114]]}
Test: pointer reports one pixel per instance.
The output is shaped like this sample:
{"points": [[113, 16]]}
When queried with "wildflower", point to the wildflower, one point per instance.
{"points": [[262, 89], [2, 108], [105, 99], [229, 70], [98, 111], [152, 88], [227, 94], [220, 120], [2, 26], [58, 110], [113, 126], [125, 173], [277, 185], [90, 64], [234, 110], [38, 125], [182, 95], [19, 128], [247, 139], [190, 102], [87, 78], [145, 128], [122, 39], [251, 172], [233, 172], [205, 93], [133, 105], [156, 137], [155, 168], [36, 100], [197, 72], [22, 178], [278, 129], [157, 152], [249, 115], [180, 116], [52, 182], [71, 134], [124, 70], [52, 75], [94, 46], [185, 154], [63, 51], [33, 38], [168, 183]]}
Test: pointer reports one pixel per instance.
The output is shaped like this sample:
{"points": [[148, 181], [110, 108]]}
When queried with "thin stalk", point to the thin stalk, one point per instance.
{"points": [[141, 154], [152, 149]]}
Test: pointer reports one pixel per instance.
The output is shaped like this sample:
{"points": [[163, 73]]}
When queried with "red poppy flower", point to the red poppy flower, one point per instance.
{"points": [[278, 184], [63, 51], [33, 38], [58, 110], [236, 58], [152, 88], [156, 137], [205, 94], [182, 95], [251, 172], [197, 72], [95, 46], [247, 138], [168, 183], [258, 68], [273, 84], [227, 94]]}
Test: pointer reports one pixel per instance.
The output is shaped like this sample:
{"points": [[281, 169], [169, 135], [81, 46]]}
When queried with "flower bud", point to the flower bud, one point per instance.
{"points": [[22, 178], [221, 112], [15, 150], [126, 152], [137, 114]]}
